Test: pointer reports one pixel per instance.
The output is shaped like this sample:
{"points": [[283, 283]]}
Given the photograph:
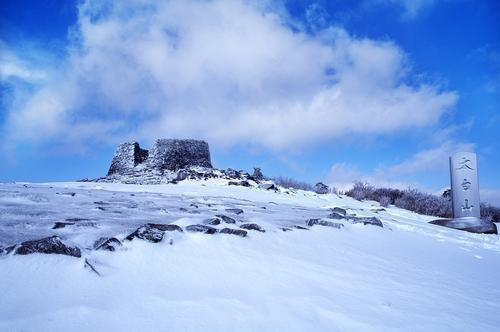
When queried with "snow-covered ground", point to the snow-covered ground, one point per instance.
{"points": [[407, 276]]}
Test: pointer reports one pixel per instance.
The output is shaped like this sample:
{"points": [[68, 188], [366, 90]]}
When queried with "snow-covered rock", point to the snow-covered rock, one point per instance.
{"points": [[48, 245], [321, 188]]}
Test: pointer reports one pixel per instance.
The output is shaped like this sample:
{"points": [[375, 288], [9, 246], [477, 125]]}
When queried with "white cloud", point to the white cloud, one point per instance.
{"points": [[343, 175], [490, 196], [411, 9], [226, 71], [434, 160], [11, 67]]}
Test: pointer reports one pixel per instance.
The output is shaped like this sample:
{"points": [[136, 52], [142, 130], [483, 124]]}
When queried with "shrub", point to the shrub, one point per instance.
{"points": [[490, 213], [385, 201], [361, 191], [291, 183]]}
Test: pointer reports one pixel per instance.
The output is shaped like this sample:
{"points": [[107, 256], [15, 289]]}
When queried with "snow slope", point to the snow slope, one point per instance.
{"points": [[407, 276]]}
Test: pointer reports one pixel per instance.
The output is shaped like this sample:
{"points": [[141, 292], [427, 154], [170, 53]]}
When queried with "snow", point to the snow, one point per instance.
{"points": [[409, 275]]}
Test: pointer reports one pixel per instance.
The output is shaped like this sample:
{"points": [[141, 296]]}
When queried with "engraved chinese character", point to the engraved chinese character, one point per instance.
{"points": [[465, 164], [466, 184], [467, 207]]}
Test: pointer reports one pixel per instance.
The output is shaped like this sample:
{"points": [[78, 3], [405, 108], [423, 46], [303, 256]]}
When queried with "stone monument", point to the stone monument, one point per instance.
{"points": [[465, 196]]}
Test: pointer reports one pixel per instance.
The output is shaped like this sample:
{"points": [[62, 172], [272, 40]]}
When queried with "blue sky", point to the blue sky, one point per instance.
{"points": [[377, 90]]}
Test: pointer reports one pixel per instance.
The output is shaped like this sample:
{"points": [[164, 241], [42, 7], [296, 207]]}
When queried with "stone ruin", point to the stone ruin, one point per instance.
{"points": [[166, 154], [172, 161]]}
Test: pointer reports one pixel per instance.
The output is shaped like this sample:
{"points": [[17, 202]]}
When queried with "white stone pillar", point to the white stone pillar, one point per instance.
{"points": [[464, 186]]}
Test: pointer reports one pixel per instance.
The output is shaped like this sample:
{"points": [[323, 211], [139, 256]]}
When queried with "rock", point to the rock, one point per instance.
{"points": [[285, 229], [175, 154], [366, 221], [243, 183], [473, 226], [312, 222], [109, 244], [238, 232], [60, 224], [268, 186], [257, 174], [48, 245], [335, 215], [201, 229], [181, 175], [153, 232], [321, 188], [339, 211], [232, 174], [67, 194], [226, 219], [235, 211], [300, 227], [126, 157], [213, 221], [253, 227]]}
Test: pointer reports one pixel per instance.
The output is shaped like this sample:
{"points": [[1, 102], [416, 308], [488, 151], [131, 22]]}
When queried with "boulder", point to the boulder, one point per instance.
{"points": [[153, 232], [201, 229], [253, 227], [126, 157], [312, 222], [175, 154], [321, 188], [238, 232], [48, 245], [226, 219], [109, 244]]}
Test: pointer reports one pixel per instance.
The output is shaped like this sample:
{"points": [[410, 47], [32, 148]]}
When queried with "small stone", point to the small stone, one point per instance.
{"points": [[243, 183], [253, 227], [339, 211], [312, 222], [366, 221], [335, 215], [268, 186], [153, 232], [213, 221], [201, 229], [235, 211], [60, 224], [301, 227], [109, 244], [226, 219], [238, 232]]}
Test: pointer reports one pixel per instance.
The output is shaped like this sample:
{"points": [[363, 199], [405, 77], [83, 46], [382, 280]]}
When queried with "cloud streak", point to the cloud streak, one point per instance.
{"points": [[226, 71]]}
